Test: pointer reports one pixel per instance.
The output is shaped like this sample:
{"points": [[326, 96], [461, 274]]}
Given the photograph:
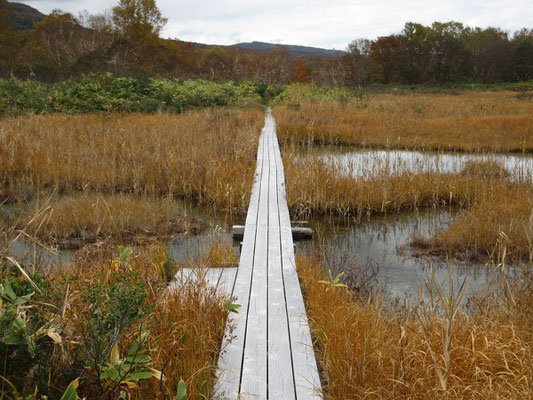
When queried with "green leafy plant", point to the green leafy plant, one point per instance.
{"points": [[334, 280], [70, 392], [14, 319], [231, 306], [128, 370], [182, 391], [125, 253]]}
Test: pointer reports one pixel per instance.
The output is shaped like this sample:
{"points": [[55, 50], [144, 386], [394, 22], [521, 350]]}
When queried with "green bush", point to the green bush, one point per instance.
{"points": [[107, 93]]}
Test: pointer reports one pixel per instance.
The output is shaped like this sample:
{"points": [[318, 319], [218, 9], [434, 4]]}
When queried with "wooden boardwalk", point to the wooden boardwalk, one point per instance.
{"points": [[271, 354]]}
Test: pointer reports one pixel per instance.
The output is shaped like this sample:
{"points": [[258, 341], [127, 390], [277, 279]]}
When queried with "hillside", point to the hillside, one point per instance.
{"points": [[294, 50], [22, 16]]}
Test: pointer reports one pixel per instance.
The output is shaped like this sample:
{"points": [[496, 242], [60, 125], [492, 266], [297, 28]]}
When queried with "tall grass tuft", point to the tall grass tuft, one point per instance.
{"points": [[435, 350]]}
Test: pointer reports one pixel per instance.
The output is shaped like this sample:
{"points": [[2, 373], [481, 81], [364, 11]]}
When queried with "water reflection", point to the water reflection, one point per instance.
{"points": [[380, 241], [383, 242], [184, 249], [366, 163]]}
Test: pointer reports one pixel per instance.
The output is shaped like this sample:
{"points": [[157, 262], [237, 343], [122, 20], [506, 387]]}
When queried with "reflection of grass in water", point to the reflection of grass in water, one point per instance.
{"points": [[434, 350], [215, 252], [493, 204], [74, 220], [471, 121]]}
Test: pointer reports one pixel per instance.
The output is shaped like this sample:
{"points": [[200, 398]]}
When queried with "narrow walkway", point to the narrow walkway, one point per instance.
{"points": [[271, 354]]}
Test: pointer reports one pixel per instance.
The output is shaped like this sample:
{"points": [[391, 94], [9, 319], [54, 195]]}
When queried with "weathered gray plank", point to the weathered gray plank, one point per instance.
{"points": [[272, 355], [280, 376], [254, 369], [227, 280], [231, 357], [222, 279], [251, 216]]}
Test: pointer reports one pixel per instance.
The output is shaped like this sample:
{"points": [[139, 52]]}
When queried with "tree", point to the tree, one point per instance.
{"points": [[138, 20], [415, 52], [274, 66], [386, 54], [4, 12], [523, 54], [357, 62], [217, 63], [447, 53]]}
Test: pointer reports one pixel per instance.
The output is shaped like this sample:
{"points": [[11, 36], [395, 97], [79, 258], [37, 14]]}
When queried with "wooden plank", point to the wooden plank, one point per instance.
{"points": [[280, 370], [227, 280], [306, 376], [231, 357], [254, 368], [221, 279], [298, 232], [251, 217], [210, 275]]}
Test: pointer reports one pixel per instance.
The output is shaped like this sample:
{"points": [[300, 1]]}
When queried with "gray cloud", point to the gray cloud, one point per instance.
{"points": [[324, 23]]}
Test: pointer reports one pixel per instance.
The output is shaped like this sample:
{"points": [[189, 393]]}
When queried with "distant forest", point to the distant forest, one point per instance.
{"points": [[126, 41]]}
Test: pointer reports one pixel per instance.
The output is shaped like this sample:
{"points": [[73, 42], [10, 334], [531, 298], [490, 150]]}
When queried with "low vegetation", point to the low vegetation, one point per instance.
{"points": [[107, 327], [472, 121], [74, 220], [107, 93], [434, 350], [118, 175]]}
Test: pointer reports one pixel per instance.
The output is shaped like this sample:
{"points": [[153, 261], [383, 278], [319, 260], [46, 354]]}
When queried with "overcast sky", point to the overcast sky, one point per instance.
{"points": [[321, 23]]}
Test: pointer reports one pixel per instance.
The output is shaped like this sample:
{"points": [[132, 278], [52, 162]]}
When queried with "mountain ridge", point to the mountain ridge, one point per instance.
{"points": [[22, 16], [294, 50]]}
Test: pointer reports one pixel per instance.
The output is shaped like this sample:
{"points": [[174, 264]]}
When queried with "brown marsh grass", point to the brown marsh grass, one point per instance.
{"points": [[504, 216], [207, 156], [493, 206], [81, 218], [433, 351], [468, 121], [185, 327]]}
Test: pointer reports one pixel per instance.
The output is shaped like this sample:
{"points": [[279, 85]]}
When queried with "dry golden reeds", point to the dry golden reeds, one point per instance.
{"points": [[419, 353], [469, 121], [493, 203], [208, 156], [186, 334], [185, 326], [81, 218]]}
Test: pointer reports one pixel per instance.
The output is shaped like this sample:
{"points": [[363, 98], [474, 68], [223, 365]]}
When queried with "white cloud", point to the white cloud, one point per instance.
{"points": [[321, 23]]}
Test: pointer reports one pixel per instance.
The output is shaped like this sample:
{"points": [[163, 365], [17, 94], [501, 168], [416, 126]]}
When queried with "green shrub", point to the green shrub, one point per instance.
{"points": [[108, 93]]}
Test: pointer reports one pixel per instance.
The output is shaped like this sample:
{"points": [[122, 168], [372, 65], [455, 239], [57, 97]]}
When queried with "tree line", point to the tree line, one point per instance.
{"points": [[126, 41]]}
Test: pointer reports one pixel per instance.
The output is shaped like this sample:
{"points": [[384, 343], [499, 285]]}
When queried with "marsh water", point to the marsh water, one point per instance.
{"points": [[365, 163], [379, 246]]}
